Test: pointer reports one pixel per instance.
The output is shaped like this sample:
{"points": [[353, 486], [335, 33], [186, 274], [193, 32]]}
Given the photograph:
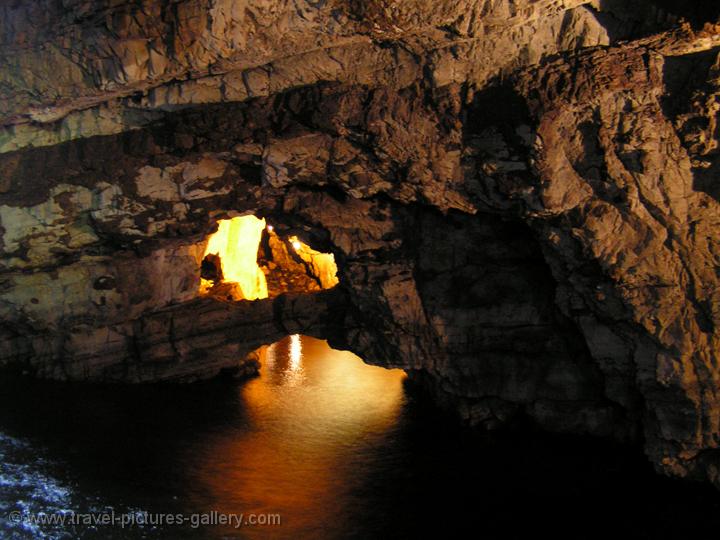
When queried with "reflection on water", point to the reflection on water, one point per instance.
{"points": [[339, 449], [310, 416], [293, 442]]}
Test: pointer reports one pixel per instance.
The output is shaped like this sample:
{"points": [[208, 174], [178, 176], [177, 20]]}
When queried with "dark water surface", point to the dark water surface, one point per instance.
{"points": [[336, 448]]}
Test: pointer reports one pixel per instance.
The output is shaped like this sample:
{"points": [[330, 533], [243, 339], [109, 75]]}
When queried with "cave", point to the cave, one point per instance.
{"points": [[509, 208]]}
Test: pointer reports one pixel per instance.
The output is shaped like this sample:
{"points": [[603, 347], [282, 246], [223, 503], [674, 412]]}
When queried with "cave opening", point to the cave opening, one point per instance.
{"points": [[520, 198], [247, 259]]}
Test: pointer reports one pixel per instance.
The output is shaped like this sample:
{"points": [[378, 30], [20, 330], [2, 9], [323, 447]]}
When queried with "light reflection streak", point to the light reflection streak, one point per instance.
{"points": [[295, 353]]}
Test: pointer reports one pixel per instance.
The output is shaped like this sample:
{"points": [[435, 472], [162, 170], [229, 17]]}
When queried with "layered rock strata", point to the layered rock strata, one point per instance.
{"points": [[521, 198]]}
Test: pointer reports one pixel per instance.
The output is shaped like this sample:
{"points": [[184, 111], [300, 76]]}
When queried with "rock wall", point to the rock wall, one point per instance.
{"points": [[521, 198]]}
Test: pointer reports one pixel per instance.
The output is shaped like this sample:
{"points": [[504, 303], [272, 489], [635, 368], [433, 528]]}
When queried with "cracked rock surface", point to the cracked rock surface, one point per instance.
{"points": [[521, 197]]}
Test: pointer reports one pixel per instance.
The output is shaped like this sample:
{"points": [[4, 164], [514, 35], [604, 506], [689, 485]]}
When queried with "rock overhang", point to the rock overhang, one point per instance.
{"points": [[362, 124]]}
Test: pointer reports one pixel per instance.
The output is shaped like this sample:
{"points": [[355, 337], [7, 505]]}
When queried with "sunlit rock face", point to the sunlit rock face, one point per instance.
{"points": [[245, 259], [236, 244], [521, 199]]}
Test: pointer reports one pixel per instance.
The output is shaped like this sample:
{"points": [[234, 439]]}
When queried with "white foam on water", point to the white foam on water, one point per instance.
{"points": [[28, 486]]}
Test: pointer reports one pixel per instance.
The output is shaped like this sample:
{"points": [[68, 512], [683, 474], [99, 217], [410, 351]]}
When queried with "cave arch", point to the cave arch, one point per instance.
{"points": [[108, 193]]}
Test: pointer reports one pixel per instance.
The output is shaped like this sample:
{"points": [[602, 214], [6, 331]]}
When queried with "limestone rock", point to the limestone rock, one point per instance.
{"points": [[521, 197]]}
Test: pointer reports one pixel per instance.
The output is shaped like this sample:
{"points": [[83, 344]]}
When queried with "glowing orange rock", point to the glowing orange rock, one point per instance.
{"points": [[322, 264], [236, 243]]}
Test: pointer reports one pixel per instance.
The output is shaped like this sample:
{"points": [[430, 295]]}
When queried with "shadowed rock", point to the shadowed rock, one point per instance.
{"points": [[523, 208]]}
